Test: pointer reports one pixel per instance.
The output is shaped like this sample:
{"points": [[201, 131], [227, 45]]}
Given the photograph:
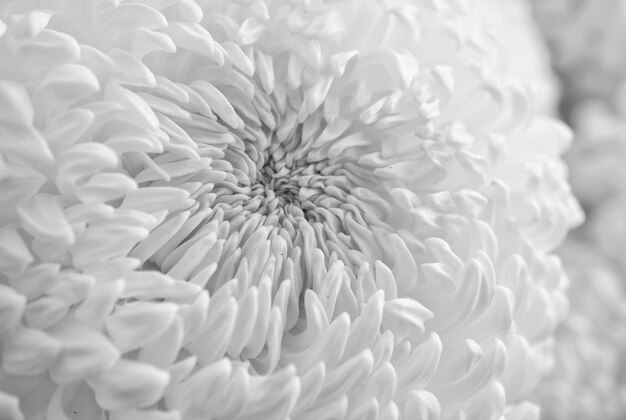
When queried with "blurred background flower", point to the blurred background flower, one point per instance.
{"points": [[589, 377], [586, 39]]}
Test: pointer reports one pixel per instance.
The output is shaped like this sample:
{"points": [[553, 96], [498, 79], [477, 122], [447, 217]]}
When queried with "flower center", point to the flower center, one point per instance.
{"points": [[280, 182]]}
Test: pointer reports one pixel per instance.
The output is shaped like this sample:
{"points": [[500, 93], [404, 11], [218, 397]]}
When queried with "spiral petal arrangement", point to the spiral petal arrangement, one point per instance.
{"points": [[269, 209]]}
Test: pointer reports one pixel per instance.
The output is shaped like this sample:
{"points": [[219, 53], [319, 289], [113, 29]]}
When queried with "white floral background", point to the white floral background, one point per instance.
{"points": [[312, 209], [586, 39]]}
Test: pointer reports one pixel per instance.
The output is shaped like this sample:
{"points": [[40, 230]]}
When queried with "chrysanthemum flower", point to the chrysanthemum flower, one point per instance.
{"points": [[272, 209]]}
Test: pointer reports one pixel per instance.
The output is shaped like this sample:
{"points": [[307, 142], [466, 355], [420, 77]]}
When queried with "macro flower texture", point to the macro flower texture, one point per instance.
{"points": [[274, 209]]}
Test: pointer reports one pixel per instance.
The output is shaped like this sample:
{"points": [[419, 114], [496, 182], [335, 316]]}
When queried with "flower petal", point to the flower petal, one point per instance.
{"points": [[128, 385]]}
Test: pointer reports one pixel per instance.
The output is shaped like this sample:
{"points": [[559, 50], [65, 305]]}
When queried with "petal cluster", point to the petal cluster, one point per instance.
{"points": [[273, 209]]}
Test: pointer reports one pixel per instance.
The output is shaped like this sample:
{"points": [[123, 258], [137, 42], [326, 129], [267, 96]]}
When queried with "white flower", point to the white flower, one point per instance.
{"points": [[272, 209]]}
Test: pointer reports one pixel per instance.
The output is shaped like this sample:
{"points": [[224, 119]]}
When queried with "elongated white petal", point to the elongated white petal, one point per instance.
{"points": [[129, 385], [11, 309], [83, 352], [137, 324]]}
